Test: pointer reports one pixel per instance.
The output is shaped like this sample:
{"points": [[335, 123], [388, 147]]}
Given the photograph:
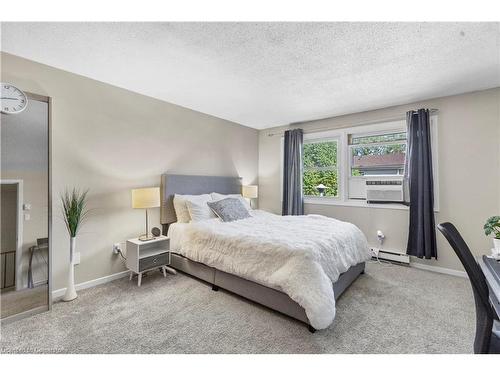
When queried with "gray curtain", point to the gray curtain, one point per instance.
{"points": [[293, 202], [422, 231]]}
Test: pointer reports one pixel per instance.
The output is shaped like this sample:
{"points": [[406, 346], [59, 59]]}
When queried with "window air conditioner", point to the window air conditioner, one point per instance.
{"points": [[384, 191]]}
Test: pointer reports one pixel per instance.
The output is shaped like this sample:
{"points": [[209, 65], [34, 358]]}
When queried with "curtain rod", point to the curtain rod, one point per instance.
{"points": [[351, 125]]}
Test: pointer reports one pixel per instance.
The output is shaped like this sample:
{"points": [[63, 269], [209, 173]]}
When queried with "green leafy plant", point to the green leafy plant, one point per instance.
{"points": [[320, 159], [493, 226], [74, 205]]}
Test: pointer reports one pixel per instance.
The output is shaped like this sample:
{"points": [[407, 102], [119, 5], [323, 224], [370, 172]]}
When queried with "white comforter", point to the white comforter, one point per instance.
{"points": [[300, 255]]}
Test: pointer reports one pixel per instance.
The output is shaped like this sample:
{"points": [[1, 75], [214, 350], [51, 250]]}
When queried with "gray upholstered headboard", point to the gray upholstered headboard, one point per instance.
{"points": [[185, 184]]}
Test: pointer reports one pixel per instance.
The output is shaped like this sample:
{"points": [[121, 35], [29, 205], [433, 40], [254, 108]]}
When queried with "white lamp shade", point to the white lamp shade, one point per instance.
{"points": [[250, 191], [146, 197]]}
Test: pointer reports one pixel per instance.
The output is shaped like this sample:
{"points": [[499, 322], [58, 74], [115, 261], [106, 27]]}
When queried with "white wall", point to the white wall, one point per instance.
{"points": [[469, 173], [111, 140]]}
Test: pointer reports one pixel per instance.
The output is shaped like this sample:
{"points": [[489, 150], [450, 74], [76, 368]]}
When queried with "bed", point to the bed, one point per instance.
{"points": [[194, 253]]}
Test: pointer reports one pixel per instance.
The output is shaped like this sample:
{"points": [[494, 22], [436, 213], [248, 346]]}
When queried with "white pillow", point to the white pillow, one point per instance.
{"points": [[199, 211], [180, 207], [218, 197]]}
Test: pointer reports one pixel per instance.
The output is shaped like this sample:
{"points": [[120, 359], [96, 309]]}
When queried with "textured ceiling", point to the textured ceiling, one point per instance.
{"points": [[268, 74]]}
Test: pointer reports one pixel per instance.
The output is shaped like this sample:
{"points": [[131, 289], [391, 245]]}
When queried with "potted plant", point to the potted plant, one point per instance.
{"points": [[492, 226], [74, 205]]}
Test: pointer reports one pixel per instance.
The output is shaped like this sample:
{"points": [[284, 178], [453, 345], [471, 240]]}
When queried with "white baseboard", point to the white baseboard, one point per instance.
{"points": [[56, 294], [447, 271]]}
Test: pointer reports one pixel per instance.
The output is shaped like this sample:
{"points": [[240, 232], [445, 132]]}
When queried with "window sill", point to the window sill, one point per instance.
{"points": [[354, 203]]}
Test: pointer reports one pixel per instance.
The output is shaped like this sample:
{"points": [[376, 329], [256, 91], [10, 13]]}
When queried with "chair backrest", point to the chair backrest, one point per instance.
{"points": [[473, 270], [42, 241]]}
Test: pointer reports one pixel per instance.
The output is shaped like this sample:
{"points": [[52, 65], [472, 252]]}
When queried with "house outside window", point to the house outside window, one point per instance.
{"points": [[377, 155]]}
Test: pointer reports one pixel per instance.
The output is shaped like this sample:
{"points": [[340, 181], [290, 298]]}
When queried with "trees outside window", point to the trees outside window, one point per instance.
{"points": [[320, 167]]}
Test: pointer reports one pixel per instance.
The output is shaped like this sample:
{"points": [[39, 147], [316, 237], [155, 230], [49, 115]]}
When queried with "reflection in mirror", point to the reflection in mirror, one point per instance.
{"points": [[24, 210]]}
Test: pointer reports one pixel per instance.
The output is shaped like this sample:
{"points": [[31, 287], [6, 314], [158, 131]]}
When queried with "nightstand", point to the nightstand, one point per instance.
{"points": [[145, 256]]}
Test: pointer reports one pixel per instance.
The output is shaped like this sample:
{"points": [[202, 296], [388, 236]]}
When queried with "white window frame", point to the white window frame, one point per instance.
{"points": [[350, 147], [370, 130], [344, 163], [314, 138]]}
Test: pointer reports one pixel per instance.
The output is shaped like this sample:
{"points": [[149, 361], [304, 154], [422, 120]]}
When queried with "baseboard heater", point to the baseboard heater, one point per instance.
{"points": [[392, 256]]}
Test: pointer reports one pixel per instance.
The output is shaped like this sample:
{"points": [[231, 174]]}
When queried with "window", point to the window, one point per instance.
{"points": [[374, 155], [320, 168], [380, 154], [338, 162]]}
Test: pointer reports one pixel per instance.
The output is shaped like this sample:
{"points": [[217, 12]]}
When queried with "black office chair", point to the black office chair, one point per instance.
{"points": [[486, 341]]}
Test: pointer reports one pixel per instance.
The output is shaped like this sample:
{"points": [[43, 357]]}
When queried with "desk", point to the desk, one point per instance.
{"points": [[491, 270]]}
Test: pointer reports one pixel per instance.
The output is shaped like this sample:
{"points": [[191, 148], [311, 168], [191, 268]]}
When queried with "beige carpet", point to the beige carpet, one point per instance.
{"points": [[390, 309], [14, 302]]}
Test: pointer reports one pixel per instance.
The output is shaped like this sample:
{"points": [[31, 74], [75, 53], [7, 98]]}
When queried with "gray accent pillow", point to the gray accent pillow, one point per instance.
{"points": [[229, 209]]}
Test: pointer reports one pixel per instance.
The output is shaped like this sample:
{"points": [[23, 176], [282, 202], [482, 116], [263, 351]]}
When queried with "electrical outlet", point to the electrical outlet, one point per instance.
{"points": [[116, 248], [76, 258]]}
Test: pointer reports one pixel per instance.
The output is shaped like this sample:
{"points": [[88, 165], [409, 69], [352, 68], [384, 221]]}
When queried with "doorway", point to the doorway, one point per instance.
{"points": [[11, 234]]}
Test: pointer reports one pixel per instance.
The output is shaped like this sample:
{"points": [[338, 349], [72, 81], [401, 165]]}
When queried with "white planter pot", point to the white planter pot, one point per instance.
{"points": [[70, 294], [496, 244]]}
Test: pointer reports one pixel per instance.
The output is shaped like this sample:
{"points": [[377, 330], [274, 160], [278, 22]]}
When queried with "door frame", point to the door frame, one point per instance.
{"points": [[19, 229], [48, 100]]}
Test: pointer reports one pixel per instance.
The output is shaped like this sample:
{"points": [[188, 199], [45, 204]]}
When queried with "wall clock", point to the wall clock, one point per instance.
{"points": [[13, 100]]}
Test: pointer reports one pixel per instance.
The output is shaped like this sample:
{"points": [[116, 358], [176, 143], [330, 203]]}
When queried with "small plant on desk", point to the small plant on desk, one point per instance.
{"points": [[492, 226]]}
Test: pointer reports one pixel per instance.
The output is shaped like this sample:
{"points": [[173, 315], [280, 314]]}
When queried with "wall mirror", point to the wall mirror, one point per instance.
{"points": [[25, 210]]}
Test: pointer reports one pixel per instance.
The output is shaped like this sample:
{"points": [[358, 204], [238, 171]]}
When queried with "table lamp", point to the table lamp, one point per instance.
{"points": [[250, 192], [146, 198]]}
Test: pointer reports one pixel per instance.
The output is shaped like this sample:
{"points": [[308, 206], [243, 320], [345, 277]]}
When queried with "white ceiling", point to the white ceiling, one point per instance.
{"points": [[268, 74]]}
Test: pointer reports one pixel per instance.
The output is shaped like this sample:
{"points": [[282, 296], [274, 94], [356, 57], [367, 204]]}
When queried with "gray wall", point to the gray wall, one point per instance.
{"points": [[469, 173], [24, 156], [111, 140]]}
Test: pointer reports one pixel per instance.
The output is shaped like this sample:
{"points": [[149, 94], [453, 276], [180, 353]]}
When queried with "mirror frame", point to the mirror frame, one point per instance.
{"points": [[48, 307]]}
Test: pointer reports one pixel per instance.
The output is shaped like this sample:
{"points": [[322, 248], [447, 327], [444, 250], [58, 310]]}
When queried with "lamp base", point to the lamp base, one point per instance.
{"points": [[146, 237]]}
